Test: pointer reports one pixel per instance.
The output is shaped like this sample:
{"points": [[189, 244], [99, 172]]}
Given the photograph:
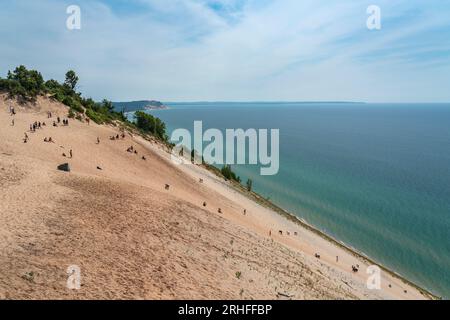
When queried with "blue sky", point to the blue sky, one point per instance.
{"points": [[236, 50]]}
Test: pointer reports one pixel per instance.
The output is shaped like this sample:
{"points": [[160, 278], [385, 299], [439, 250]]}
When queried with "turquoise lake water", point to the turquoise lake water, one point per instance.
{"points": [[374, 176]]}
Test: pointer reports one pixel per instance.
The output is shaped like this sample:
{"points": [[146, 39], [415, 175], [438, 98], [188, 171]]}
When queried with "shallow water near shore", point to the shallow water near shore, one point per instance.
{"points": [[374, 176]]}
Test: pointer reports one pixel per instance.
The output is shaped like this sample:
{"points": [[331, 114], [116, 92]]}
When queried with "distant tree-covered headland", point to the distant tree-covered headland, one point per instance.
{"points": [[27, 85], [131, 106]]}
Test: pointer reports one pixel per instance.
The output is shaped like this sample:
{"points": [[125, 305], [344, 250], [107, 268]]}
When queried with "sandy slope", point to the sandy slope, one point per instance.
{"points": [[134, 239]]}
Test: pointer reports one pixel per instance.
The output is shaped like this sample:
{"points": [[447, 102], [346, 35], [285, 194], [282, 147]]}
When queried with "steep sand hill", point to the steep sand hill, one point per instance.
{"points": [[133, 239]]}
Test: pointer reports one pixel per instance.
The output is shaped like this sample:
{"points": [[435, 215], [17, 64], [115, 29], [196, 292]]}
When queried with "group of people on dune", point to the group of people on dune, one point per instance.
{"points": [[131, 149], [37, 125], [117, 137], [58, 121]]}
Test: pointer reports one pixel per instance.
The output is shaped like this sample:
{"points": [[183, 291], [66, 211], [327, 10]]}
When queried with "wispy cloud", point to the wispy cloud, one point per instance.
{"points": [[236, 49]]}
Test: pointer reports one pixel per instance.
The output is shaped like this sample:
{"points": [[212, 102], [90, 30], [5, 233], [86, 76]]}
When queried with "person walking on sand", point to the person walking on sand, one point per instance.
{"points": [[70, 153], [98, 140]]}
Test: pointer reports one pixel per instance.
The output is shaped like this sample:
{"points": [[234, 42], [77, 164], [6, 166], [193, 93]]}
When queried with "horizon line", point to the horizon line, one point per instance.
{"points": [[282, 101]]}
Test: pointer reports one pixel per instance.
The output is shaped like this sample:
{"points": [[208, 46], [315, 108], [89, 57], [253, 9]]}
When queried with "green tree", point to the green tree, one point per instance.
{"points": [[249, 185], [228, 173], [108, 105], [28, 83], [151, 124], [71, 80], [88, 103]]}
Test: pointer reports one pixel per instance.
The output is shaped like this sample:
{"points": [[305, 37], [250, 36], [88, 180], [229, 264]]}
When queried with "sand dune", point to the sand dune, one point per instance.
{"points": [[133, 239]]}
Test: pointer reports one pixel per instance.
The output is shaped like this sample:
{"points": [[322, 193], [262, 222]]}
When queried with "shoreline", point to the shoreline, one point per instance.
{"points": [[258, 199], [291, 216], [302, 222]]}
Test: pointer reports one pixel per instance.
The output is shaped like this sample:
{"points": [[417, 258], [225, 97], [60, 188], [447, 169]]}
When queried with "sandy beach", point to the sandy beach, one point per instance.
{"points": [[133, 239]]}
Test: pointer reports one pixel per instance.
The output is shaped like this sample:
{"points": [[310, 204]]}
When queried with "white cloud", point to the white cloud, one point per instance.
{"points": [[229, 50]]}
